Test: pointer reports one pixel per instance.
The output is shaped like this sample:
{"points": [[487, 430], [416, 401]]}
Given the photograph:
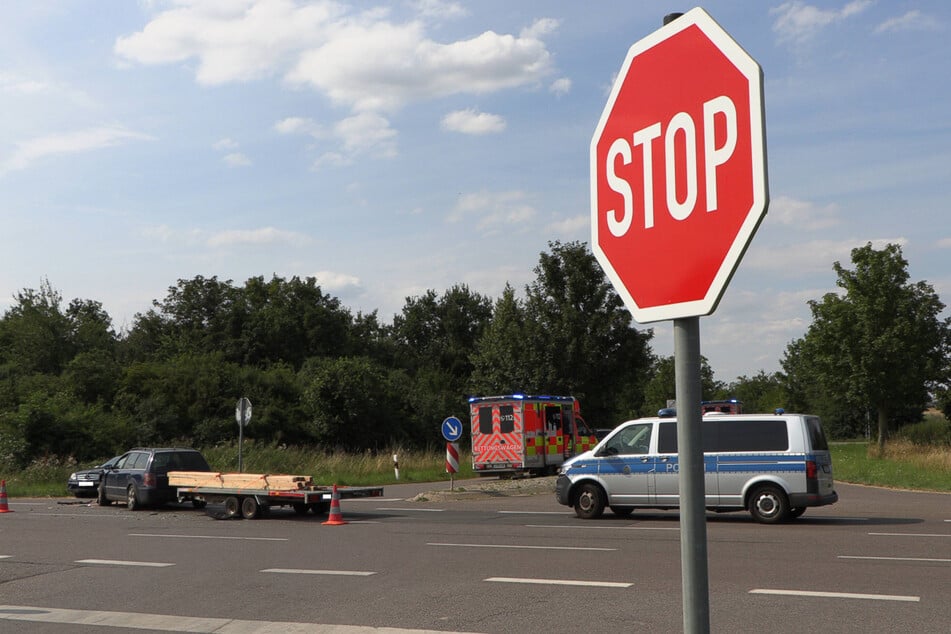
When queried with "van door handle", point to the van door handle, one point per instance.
{"points": [[644, 459], [664, 459]]}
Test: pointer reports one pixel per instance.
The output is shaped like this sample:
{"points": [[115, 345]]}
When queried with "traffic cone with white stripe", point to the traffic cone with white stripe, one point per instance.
{"points": [[4, 505], [335, 518]]}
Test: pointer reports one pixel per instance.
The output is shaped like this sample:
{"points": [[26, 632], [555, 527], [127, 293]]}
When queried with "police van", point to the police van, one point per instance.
{"points": [[774, 466]]}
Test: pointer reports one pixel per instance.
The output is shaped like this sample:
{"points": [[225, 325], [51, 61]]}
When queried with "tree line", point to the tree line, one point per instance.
{"points": [[319, 374]]}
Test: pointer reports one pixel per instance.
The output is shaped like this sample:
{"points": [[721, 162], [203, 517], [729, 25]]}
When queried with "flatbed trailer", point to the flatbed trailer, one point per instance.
{"points": [[250, 502]]}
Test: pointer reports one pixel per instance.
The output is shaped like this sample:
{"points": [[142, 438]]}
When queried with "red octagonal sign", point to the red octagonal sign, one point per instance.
{"points": [[678, 169]]}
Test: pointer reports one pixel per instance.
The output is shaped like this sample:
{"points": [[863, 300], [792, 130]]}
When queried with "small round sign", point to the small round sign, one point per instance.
{"points": [[242, 411], [452, 429]]}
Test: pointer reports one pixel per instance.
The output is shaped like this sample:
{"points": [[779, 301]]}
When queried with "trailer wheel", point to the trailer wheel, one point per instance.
{"points": [[320, 508], [249, 508], [299, 507], [232, 506], [589, 504]]}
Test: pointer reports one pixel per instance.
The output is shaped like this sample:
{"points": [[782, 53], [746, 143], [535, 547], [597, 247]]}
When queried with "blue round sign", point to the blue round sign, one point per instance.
{"points": [[452, 429]]}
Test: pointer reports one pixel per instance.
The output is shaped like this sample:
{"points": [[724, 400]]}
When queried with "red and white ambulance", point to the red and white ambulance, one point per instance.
{"points": [[519, 433]]}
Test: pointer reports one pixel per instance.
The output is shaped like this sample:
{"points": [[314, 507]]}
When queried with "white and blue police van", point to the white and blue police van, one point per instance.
{"points": [[773, 465]]}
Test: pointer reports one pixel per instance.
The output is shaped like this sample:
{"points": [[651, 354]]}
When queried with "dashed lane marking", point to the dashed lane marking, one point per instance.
{"points": [[522, 547], [121, 562], [928, 559], [561, 582], [302, 571], [255, 539], [837, 595]]}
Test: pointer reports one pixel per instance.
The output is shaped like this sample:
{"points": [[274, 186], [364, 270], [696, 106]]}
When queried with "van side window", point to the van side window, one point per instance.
{"points": [[667, 438], [635, 439], [485, 420], [752, 435], [817, 439]]}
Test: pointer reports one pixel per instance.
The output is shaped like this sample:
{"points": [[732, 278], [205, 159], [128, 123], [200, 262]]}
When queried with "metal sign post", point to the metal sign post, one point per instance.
{"points": [[242, 414]]}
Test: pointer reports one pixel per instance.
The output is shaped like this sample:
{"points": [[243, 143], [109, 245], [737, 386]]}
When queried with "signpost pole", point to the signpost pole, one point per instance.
{"points": [[693, 527]]}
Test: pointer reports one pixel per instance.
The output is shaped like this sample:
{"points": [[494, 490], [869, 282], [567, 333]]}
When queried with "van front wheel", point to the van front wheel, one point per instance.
{"points": [[769, 505], [589, 504]]}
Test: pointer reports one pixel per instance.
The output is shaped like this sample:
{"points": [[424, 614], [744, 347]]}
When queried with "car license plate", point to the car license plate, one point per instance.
{"points": [[86, 484]]}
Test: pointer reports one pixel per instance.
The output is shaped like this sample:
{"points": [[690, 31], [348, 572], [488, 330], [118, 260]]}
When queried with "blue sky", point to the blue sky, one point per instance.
{"points": [[389, 148]]}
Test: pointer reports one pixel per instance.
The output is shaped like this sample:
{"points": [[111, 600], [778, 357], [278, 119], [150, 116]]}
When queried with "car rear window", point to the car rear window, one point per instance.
{"points": [[816, 438]]}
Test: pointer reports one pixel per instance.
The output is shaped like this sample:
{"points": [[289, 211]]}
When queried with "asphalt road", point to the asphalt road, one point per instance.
{"points": [[878, 561]]}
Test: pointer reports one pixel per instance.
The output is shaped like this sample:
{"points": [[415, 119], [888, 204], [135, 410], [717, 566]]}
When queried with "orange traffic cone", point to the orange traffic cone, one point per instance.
{"points": [[4, 506], [335, 518]]}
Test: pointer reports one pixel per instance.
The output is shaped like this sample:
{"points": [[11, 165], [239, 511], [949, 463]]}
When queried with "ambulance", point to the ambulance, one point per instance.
{"points": [[523, 434]]}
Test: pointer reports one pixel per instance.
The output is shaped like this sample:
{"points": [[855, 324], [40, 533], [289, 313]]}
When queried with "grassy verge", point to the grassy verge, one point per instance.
{"points": [[903, 465]]}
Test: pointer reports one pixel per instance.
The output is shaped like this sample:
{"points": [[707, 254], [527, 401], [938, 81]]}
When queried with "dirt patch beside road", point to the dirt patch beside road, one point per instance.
{"points": [[490, 489]]}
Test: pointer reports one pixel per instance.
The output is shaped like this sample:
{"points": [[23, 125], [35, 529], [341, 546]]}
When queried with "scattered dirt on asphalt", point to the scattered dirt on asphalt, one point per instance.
{"points": [[491, 489]]}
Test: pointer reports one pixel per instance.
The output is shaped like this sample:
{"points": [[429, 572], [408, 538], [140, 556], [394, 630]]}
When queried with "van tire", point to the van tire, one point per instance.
{"points": [[769, 504], [622, 511], [589, 503]]}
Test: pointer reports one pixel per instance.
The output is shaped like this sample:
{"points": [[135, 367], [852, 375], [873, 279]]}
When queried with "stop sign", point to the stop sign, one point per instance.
{"points": [[678, 169]]}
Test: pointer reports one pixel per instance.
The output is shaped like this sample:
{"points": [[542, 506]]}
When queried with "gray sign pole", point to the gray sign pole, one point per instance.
{"points": [[693, 517]]}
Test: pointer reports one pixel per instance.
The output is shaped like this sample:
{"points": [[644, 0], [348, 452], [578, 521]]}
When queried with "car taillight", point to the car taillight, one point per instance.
{"points": [[811, 472], [149, 478]]}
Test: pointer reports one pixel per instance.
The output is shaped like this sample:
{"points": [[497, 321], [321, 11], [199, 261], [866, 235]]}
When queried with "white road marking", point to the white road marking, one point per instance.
{"points": [[608, 528], [120, 562], [534, 512], [912, 534], [377, 500], [5, 556], [260, 539], [522, 547], [561, 582], [393, 508], [301, 571], [838, 595], [896, 558], [173, 623]]}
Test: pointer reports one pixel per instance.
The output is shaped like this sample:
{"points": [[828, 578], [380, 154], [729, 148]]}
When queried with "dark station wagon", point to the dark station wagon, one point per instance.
{"points": [[139, 477]]}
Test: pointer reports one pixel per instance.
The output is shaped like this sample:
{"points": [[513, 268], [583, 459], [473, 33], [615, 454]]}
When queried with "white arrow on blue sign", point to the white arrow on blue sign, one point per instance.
{"points": [[452, 429]]}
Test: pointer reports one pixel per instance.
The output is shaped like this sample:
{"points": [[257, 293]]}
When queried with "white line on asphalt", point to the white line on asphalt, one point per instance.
{"points": [[300, 571], [896, 558], [534, 512], [838, 595], [5, 556], [561, 582], [912, 534], [607, 528], [377, 500], [119, 562], [173, 623], [393, 508], [260, 539], [522, 547]]}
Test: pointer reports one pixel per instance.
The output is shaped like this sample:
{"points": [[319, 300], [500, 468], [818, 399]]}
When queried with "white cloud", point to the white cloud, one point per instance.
{"points": [[802, 214], [236, 159], [798, 22], [572, 227], [910, 21], [337, 283], [944, 243], [363, 134], [493, 211], [265, 235], [27, 152], [560, 86], [361, 60], [226, 144], [799, 258], [471, 121], [439, 10]]}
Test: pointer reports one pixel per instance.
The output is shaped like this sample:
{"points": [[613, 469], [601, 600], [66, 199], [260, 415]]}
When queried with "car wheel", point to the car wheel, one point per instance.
{"points": [[769, 505], [249, 508], [101, 498], [132, 499], [797, 511], [589, 504]]}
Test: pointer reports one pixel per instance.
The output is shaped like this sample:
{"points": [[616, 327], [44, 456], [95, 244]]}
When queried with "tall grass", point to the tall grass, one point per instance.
{"points": [[902, 465]]}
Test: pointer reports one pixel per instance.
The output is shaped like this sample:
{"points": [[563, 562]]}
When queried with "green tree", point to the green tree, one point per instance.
{"points": [[879, 344], [499, 366], [764, 392], [579, 336], [662, 385]]}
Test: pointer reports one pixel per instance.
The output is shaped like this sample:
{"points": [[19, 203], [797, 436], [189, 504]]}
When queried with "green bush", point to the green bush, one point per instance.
{"points": [[933, 431]]}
